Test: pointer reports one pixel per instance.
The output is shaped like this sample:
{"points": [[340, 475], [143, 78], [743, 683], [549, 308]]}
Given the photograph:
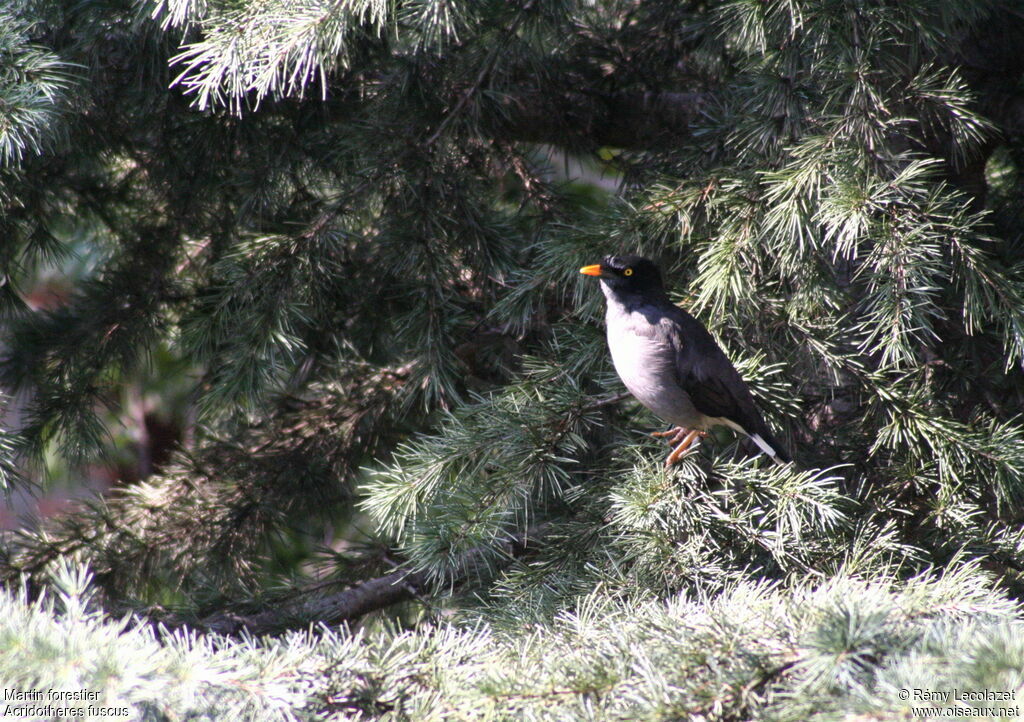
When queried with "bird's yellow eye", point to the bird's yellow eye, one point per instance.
{"points": [[628, 272]]}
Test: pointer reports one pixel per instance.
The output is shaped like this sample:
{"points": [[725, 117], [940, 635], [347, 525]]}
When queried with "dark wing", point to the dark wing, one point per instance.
{"points": [[712, 382]]}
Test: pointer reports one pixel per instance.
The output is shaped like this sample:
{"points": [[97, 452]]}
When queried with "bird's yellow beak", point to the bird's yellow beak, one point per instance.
{"points": [[594, 270]]}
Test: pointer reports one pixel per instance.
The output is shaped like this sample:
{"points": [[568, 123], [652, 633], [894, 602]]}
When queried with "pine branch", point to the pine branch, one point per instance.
{"points": [[364, 598]]}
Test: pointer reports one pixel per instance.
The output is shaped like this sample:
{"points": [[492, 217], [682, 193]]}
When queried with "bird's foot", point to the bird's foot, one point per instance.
{"points": [[677, 434], [684, 445]]}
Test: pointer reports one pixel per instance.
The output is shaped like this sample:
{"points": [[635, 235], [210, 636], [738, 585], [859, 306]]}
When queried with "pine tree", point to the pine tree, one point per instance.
{"points": [[344, 238]]}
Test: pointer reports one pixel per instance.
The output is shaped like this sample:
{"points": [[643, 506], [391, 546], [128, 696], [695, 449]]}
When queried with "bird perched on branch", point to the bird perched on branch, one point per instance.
{"points": [[670, 362]]}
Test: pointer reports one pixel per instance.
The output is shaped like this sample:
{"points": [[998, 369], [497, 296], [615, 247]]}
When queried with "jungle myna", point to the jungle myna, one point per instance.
{"points": [[670, 362]]}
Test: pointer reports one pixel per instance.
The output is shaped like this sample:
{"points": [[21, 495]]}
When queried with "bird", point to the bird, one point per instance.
{"points": [[671, 364]]}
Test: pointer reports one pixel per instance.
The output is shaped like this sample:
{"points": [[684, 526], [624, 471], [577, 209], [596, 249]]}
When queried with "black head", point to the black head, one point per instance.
{"points": [[627, 274]]}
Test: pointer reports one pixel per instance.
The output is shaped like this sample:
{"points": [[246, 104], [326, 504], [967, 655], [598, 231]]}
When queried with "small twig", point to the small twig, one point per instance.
{"points": [[597, 404], [485, 70]]}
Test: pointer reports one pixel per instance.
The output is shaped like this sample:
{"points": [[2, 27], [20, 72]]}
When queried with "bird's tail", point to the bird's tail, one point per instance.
{"points": [[771, 446]]}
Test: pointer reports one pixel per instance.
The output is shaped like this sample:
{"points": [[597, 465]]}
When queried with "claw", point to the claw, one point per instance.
{"points": [[677, 434], [683, 446]]}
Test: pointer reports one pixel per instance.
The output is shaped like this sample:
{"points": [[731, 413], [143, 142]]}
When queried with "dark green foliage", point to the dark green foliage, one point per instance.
{"points": [[356, 226]]}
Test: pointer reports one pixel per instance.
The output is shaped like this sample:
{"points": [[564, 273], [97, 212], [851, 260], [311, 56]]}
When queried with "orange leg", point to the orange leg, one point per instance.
{"points": [[678, 452]]}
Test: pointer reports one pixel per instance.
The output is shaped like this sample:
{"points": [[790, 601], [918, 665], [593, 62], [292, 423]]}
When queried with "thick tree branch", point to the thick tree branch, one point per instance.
{"points": [[351, 604]]}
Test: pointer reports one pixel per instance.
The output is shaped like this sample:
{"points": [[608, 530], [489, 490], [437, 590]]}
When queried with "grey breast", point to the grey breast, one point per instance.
{"points": [[644, 358]]}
